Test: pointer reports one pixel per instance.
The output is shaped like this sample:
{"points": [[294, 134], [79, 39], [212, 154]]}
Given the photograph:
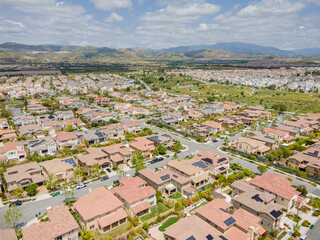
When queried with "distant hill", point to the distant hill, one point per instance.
{"points": [[237, 47], [218, 51]]}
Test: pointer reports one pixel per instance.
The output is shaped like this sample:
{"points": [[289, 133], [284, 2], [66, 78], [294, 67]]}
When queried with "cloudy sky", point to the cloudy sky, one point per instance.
{"points": [[286, 24]]}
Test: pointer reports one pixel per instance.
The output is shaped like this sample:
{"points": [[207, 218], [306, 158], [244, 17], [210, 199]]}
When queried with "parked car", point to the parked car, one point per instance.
{"points": [[69, 199], [304, 237], [104, 178], [17, 203], [80, 185], [160, 159], [109, 170], [153, 161]]}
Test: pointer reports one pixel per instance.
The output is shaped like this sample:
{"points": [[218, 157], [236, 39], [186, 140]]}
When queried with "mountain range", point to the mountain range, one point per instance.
{"points": [[223, 50]]}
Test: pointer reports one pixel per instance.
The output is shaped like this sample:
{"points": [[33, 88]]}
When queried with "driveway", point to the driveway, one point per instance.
{"points": [[155, 233]]}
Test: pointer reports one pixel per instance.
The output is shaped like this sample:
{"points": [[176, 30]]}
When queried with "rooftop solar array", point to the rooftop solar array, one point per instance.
{"points": [[209, 237], [99, 134], [315, 153], [155, 139], [229, 221], [221, 159], [226, 211], [38, 143], [200, 164], [222, 168], [275, 213], [175, 176], [223, 237], [166, 135], [208, 160], [69, 160], [165, 177], [191, 238], [257, 198]]}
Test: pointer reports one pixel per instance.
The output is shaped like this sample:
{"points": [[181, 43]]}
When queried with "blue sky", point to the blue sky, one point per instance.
{"points": [[286, 24]]}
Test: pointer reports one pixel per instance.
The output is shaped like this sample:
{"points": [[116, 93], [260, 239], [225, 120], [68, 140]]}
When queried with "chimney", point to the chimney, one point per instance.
{"points": [[251, 233]]}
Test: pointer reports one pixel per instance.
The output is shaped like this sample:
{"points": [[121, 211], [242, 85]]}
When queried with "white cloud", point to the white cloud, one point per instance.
{"points": [[111, 4], [114, 17], [10, 26]]}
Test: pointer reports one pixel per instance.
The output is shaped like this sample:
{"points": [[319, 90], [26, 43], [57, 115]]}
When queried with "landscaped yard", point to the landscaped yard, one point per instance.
{"points": [[294, 218], [228, 191], [305, 209], [316, 213], [203, 203], [175, 196], [159, 208], [113, 233], [168, 223]]}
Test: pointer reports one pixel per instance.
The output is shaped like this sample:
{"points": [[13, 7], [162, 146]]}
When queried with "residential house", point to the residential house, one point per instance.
{"points": [[251, 146], [64, 139], [278, 134], [192, 168], [268, 141], [31, 130], [135, 195], [8, 234], [93, 156], [12, 151], [63, 115], [131, 127], [167, 181], [199, 130], [113, 131], [24, 120], [217, 164], [7, 135], [61, 168], [60, 225], [302, 127], [4, 123], [164, 140], [44, 118], [74, 122], [258, 202], [144, 145], [292, 131], [279, 186], [37, 108], [100, 210], [92, 136], [213, 127], [239, 225], [168, 120], [118, 153], [42, 146], [23, 175]]}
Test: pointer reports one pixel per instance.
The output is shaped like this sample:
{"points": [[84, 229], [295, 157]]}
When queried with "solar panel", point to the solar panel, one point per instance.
{"points": [[51, 117], [165, 177], [209, 237], [99, 134], [200, 164], [275, 213], [221, 159], [175, 176], [229, 221], [191, 238], [207, 160], [257, 198], [223, 237], [222, 168], [226, 211], [69, 160]]}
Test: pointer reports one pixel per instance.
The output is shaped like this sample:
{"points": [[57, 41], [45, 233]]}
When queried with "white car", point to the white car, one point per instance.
{"points": [[80, 185], [304, 237]]}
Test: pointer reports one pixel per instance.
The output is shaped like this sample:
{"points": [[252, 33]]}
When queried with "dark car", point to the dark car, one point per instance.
{"points": [[108, 170], [153, 161], [17, 203], [104, 178], [160, 159]]}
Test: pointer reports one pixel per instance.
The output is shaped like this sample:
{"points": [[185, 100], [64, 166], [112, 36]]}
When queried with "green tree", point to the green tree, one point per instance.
{"points": [[140, 164], [175, 156], [12, 216], [302, 189], [95, 170], [32, 189], [87, 235], [177, 146], [51, 181], [78, 174], [178, 206], [136, 155], [70, 128], [162, 150], [262, 169], [68, 190], [155, 152]]}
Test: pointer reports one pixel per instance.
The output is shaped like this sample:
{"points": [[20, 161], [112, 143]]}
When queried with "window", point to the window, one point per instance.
{"points": [[92, 226], [58, 238], [91, 219]]}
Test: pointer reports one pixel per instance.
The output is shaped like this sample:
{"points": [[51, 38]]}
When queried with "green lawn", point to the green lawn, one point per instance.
{"points": [[175, 196], [228, 191], [168, 223], [113, 233], [203, 203], [159, 208]]}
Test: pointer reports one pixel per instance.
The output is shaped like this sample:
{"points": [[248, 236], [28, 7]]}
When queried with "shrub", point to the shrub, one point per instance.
{"points": [[32, 189]]}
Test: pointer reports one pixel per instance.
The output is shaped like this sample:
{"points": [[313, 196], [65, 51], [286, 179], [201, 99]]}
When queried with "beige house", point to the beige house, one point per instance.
{"points": [[23, 175], [61, 168], [100, 210], [61, 225], [251, 146]]}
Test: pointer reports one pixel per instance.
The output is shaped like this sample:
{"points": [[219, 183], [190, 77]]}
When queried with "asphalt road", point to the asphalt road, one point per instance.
{"points": [[314, 234]]}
